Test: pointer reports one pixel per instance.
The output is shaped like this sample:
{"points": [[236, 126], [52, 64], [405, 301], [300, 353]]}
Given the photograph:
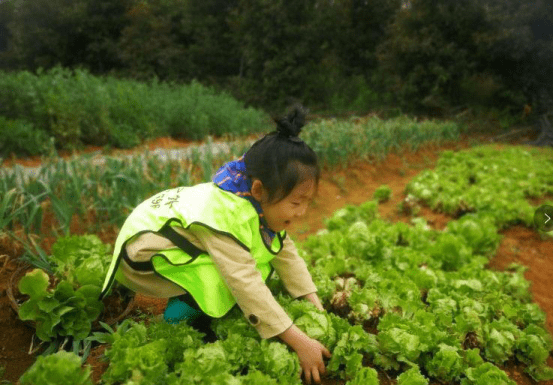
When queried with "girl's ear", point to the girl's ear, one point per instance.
{"points": [[257, 190]]}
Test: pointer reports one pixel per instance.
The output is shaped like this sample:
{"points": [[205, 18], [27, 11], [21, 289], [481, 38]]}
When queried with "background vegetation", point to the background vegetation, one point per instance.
{"points": [[423, 55]]}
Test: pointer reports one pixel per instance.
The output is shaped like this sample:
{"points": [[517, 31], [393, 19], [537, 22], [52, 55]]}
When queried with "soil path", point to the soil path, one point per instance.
{"points": [[354, 185]]}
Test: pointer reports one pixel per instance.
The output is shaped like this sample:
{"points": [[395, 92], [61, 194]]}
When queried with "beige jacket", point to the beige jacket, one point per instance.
{"points": [[237, 267]]}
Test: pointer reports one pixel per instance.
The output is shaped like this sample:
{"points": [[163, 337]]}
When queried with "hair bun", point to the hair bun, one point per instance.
{"points": [[291, 124]]}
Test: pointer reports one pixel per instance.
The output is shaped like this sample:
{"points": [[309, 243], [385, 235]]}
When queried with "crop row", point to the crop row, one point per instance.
{"points": [[487, 179], [103, 194], [427, 295]]}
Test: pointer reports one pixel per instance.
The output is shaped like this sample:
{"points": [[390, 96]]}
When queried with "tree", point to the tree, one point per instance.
{"points": [[519, 51], [496, 53], [429, 50], [102, 27], [154, 41], [366, 24], [44, 33], [6, 15], [214, 51], [47, 32], [178, 40]]}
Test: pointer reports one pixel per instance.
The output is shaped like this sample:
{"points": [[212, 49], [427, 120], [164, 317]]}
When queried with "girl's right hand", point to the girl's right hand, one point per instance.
{"points": [[311, 360], [310, 353]]}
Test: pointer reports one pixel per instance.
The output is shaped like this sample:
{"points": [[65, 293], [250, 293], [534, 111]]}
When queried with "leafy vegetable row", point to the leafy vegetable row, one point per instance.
{"points": [[426, 294], [498, 181], [424, 308]]}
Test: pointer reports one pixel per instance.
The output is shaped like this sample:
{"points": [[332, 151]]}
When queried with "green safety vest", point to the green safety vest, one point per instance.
{"points": [[187, 266]]}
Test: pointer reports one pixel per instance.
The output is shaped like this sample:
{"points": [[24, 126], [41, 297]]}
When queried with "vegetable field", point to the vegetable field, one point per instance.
{"points": [[424, 251]]}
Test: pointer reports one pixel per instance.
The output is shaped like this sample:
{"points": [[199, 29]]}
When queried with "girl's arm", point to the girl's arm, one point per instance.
{"points": [[238, 269], [293, 271], [258, 304]]}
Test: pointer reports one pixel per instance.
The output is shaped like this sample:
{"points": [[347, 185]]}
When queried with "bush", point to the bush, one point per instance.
{"points": [[22, 138], [76, 108]]}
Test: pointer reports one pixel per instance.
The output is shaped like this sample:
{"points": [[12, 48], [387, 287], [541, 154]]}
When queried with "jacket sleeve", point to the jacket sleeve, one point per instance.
{"points": [[238, 269], [293, 271]]}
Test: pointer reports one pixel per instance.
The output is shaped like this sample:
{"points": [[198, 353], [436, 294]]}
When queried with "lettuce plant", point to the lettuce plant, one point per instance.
{"points": [[61, 368], [428, 294], [69, 308], [81, 260], [487, 180], [147, 353], [365, 376], [62, 311], [446, 365], [174, 354], [486, 374]]}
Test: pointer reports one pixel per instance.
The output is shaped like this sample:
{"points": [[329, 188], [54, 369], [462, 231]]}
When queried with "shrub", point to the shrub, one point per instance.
{"points": [[22, 138], [76, 108]]}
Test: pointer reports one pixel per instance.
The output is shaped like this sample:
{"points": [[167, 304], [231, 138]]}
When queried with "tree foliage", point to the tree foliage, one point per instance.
{"points": [[177, 40], [451, 53], [431, 55], [66, 32], [519, 51]]}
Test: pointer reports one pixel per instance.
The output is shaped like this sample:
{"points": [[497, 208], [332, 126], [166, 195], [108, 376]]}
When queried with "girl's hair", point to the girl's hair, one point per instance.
{"points": [[281, 160]]}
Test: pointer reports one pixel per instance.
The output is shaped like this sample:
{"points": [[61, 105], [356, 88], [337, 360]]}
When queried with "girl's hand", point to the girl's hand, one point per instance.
{"points": [[315, 300], [310, 353], [311, 360]]}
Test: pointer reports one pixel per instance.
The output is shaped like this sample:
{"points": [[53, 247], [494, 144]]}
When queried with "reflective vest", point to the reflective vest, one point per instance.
{"points": [[187, 266]]}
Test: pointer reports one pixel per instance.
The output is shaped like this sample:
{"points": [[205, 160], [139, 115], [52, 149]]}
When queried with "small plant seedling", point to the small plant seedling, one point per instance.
{"points": [[382, 193]]}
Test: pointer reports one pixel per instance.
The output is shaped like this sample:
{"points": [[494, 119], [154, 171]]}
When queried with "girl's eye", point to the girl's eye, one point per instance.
{"points": [[295, 203]]}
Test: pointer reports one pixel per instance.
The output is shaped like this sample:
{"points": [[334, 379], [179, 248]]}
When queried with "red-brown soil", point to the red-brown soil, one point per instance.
{"points": [[354, 185]]}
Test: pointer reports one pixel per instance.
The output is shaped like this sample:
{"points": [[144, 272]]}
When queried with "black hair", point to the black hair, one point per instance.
{"points": [[281, 160]]}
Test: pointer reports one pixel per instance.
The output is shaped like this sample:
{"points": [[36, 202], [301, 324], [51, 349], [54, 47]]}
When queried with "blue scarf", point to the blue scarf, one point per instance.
{"points": [[231, 177]]}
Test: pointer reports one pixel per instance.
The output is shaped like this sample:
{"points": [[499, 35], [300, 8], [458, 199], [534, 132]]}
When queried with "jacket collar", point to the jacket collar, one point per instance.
{"points": [[232, 177]]}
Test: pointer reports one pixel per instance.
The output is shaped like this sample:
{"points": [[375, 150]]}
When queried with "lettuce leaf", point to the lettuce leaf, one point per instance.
{"points": [[256, 377], [147, 355], [61, 311], [500, 339], [365, 376], [486, 374], [279, 363], [412, 376]]}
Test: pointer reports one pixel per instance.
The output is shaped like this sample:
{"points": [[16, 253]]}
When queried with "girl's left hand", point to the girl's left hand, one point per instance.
{"points": [[315, 300]]}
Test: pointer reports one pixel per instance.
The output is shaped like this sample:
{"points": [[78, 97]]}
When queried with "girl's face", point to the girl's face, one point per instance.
{"points": [[280, 215]]}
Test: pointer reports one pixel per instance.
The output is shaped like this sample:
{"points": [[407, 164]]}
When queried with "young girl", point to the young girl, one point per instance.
{"points": [[213, 245]]}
